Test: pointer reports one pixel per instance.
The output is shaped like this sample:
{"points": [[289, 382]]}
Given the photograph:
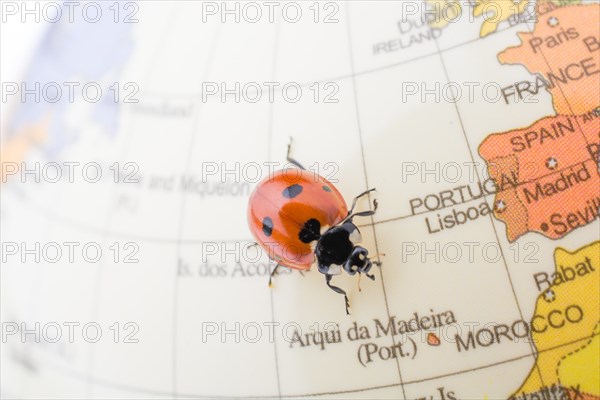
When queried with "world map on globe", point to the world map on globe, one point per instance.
{"points": [[139, 130]]}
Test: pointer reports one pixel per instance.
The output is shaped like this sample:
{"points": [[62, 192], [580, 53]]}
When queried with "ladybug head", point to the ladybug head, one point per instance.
{"points": [[337, 249], [358, 261]]}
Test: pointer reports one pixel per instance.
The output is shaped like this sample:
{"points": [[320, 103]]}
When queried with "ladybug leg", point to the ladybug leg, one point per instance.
{"points": [[362, 213], [378, 263], [273, 274], [290, 159], [358, 197], [338, 290]]}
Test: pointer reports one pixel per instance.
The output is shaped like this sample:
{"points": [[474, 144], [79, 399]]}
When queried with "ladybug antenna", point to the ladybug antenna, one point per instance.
{"points": [[359, 275]]}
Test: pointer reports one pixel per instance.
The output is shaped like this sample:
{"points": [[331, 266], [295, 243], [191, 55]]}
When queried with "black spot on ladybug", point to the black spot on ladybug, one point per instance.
{"points": [[292, 191], [310, 231], [326, 188], [267, 227]]}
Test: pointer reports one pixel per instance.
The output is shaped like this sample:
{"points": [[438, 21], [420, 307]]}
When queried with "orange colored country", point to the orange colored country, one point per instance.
{"points": [[564, 49], [433, 340], [15, 149], [546, 177], [507, 205]]}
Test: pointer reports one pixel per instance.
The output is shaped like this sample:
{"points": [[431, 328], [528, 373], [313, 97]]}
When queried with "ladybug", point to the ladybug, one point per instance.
{"points": [[299, 217]]}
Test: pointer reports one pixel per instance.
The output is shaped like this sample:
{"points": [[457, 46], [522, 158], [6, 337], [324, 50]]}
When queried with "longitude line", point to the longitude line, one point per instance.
{"points": [[362, 150], [193, 133], [467, 143], [110, 214], [269, 151]]}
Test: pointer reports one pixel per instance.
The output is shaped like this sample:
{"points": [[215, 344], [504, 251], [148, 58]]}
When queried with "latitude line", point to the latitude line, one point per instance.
{"points": [[134, 236], [359, 73], [362, 150], [487, 195], [491, 219], [77, 375]]}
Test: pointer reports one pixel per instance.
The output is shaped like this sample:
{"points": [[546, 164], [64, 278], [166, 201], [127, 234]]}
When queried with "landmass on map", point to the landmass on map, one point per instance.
{"points": [[564, 49], [566, 330], [441, 13], [547, 173]]}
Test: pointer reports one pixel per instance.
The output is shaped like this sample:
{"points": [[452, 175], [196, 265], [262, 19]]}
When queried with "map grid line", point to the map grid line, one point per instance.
{"points": [[181, 242], [274, 64], [210, 56], [364, 165], [76, 375], [491, 218]]}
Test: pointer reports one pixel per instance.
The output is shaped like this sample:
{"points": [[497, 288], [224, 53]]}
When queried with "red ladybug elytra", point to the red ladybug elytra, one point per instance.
{"points": [[297, 216]]}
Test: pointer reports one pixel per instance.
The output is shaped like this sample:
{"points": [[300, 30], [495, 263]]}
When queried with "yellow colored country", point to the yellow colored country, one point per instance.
{"points": [[444, 12], [583, 367], [494, 12], [565, 326]]}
